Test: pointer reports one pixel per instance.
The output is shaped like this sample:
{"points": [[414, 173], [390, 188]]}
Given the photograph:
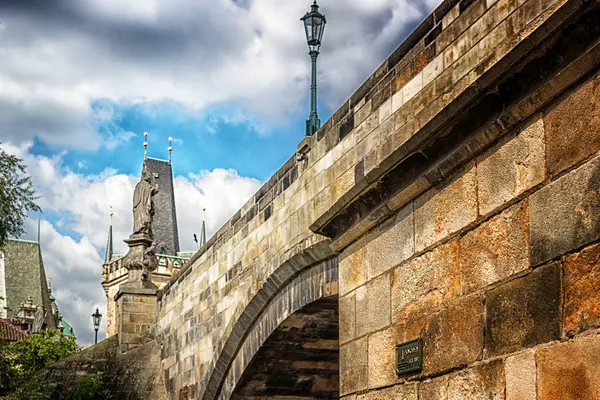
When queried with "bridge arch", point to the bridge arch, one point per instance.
{"points": [[295, 284]]}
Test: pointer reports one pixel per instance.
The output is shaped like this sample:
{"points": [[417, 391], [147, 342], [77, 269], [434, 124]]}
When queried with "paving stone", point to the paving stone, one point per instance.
{"points": [[569, 370], [572, 126], [565, 215], [496, 249], [516, 166], [582, 297], [425, 282], [354, 369], [446, 209], [373, 305], [482, 382], [521, 374], [524, 312]]}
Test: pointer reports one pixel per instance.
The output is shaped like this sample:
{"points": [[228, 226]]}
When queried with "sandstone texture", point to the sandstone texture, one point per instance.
{"points": [[454, 337], [524, 312], [520, 372], [496, 249], [569, 370], [565, 214], [582, 290], [354, 369], [513, 168], [373, 305], [446, 210], [572, 126], [426, 282]]}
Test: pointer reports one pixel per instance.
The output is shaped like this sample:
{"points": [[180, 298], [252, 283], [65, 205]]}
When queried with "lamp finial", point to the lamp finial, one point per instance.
{"points": [[170, 147], [145, 145]]}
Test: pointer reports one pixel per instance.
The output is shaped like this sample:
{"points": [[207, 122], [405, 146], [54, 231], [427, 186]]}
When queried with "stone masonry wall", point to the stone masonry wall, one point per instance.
{"points": [[496, 268], [136, 375], [375, 167]]}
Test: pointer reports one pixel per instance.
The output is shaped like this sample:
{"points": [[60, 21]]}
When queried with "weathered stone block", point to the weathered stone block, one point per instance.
{"points": [[520, 372], [347, 315], [515, 167], [569, 370], [435, 389], [572, 126], [354, 270], [482, 382], [399, 392], [413, 87], [496, 249], [382, 358], [373, 305], [582, 294], [446, 209], [424, 283], [433, 70], [393, 245], [524, 312], [354, 369], [454, 337], [565, 215]]}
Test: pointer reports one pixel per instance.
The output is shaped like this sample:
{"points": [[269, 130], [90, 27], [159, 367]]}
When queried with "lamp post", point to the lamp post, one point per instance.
{"points": [[96, 317], [314, 25]]}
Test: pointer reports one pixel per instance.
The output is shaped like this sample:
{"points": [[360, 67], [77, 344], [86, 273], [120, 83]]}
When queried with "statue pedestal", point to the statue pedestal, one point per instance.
{"points": [[140, 261], [136, 300], [136, 310]]}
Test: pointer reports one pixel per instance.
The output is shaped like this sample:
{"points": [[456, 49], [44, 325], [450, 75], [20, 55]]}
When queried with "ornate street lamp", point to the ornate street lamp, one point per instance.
{"points": [[314, 25], [96, 317]]}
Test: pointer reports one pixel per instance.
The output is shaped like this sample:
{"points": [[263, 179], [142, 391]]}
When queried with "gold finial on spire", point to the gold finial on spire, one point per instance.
{"points": [[204, 214], [110, 215], [145, 145], [170, 147]]}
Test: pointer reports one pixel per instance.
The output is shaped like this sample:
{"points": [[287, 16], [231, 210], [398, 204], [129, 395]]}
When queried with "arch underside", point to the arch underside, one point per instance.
{"points": [[299, 360], [309, 285]]}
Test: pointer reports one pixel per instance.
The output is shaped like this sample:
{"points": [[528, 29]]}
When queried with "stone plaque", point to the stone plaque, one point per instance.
{"points": [[409, 357]]}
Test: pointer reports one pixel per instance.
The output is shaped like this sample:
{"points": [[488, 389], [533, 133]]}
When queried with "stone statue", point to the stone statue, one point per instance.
{"points": [[141, 260], [143, 206]]}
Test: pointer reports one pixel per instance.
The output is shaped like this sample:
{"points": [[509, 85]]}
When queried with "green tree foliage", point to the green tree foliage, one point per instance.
{"points": [[17, 196], [90, 387], [20, 360]]}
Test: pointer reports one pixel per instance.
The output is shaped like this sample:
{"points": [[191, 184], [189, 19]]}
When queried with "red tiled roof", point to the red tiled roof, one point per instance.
{"points": [[10, 332]]}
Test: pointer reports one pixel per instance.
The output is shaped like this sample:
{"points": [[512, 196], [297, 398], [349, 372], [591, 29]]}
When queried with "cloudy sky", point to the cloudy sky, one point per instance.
{"points": [[81, 80]]}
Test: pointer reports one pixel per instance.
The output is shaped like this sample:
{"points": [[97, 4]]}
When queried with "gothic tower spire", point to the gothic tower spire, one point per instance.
{"points": [[203, 232], [109, 241]]}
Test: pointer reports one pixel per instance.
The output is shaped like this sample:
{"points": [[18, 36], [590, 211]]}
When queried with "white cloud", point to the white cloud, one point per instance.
{"points": [[58, 57], [82, 202]]}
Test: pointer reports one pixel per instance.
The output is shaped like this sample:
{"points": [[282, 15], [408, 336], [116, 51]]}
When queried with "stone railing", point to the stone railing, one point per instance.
{"points": [[167, 265]]}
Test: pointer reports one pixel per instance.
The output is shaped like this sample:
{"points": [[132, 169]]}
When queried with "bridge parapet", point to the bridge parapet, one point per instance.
{"points": [[463, 79]]}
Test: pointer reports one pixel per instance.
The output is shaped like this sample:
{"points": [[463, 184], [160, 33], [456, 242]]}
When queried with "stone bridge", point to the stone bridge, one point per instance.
{"points": [[454, 198]]}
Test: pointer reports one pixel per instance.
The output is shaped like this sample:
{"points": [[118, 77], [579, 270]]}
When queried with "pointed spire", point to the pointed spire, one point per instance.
{"points": [[109, 241], [203, 232]]}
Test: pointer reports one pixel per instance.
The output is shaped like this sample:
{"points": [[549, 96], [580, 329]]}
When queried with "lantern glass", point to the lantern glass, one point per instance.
{"points": [[96, 318], [314, 26]]}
